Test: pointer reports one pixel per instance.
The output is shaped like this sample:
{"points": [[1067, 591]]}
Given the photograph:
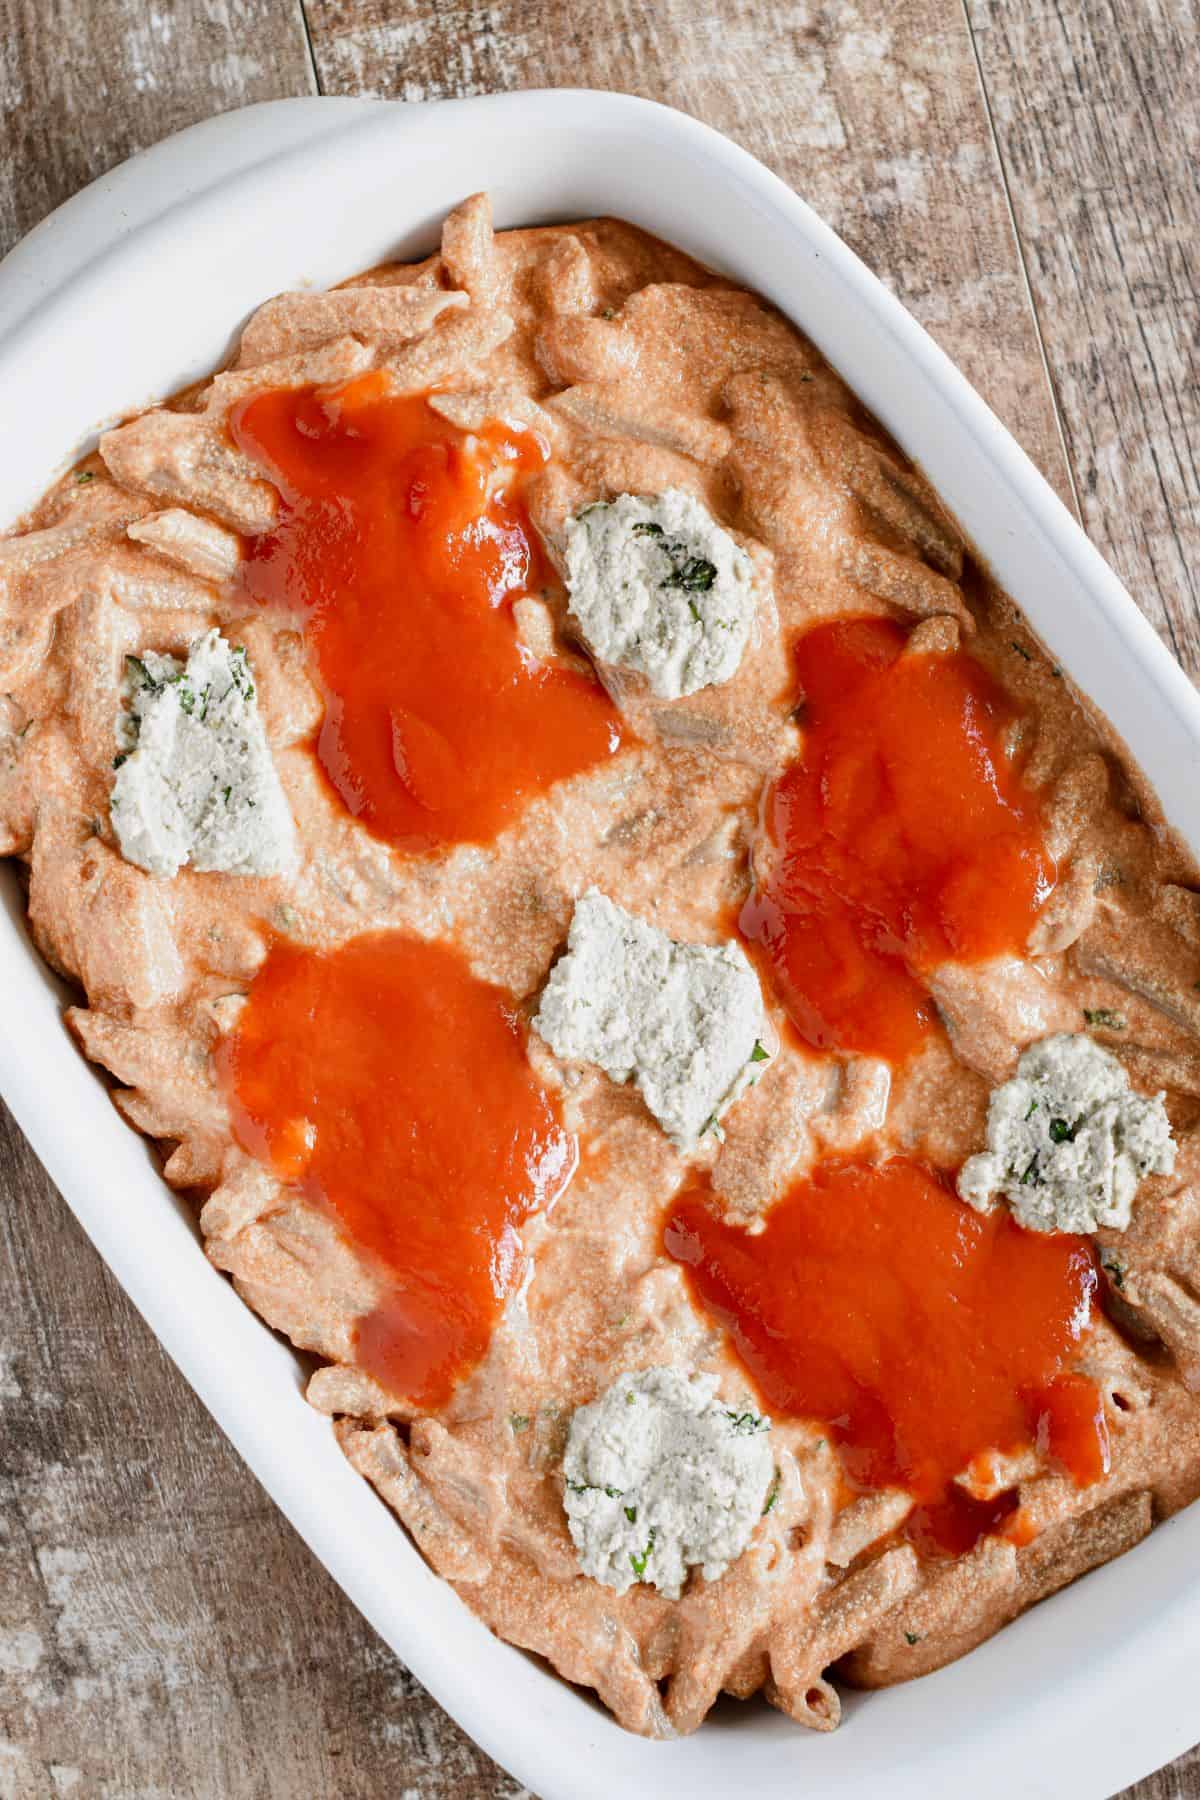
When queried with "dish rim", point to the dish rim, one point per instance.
{"points": [[228, 168]]}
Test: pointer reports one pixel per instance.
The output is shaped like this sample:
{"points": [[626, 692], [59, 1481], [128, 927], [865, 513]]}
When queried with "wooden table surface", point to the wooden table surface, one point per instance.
{"points": [[1023, 173]]}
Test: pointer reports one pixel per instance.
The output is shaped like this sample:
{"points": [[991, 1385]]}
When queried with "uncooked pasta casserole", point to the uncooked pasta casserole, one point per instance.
{"points": [[656, 983]]}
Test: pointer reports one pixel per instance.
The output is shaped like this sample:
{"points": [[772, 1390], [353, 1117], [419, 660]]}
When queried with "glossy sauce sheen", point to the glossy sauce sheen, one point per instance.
{"points": [[921, 1332], [902, 838], [402, 543], [395, 1089]]}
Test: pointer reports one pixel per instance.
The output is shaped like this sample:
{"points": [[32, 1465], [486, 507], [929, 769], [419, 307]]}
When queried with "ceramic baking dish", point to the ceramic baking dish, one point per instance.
{"points": [[135, 288]]}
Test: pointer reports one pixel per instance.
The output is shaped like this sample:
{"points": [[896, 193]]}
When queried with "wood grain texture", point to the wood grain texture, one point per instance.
{"points": [[162, 1630], [85, 83], [872, 113], [1097, 114]]}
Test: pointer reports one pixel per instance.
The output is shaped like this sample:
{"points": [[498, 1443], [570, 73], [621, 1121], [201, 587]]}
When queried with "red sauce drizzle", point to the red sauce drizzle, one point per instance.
{"points": [[401, 544], [394, 1088], [903, 837], [921, 1332]]}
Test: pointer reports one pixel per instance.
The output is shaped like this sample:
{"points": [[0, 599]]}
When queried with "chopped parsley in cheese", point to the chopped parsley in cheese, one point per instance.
{"points": [[1068, 1140], [659, 587], [684, 1021], [661, 1476], [195, 781]]}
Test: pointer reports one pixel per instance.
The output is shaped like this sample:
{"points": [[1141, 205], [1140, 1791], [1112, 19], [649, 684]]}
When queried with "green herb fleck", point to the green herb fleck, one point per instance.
{"points": [[1056, 672], [773, 1496], [1062, 1133], [695, 612], [83, 476], [1030, 1177], [630, 1400], [225, 793], [610, 312], [644, 528], [1021, 650], [820, 1443], [123, 757], [631, 1514], [696, 575], [518, 1421], [241, 673], [912, 1637], [1032, 1109], [758, 1054], [1101, 1015], [138, 668], [747, 1423], [187, 699], [639, 1562], [713, 1124]]}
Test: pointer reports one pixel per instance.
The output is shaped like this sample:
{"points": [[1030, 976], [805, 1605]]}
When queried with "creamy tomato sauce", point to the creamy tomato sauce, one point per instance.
{"points": [[903, 837], [391, 1087], [401, 546]]}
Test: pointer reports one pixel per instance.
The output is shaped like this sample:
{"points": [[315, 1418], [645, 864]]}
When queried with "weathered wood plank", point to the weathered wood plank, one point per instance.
{"points": [[84, 85], [1179, 1781], [872, 113], [1095, 107]]}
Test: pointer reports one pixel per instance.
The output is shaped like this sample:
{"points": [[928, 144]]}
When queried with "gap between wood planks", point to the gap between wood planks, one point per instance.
{"points": [[315, 66]]}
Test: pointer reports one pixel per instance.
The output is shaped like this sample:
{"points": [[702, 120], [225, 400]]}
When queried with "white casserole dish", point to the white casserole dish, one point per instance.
{"points": [[158, 263]]}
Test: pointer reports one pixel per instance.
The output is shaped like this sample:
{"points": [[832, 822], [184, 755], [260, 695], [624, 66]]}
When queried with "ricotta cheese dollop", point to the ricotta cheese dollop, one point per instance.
{"points": [[1068, 1140], [195, 781], [659, 587], [661, 1477], [684, 1021]]}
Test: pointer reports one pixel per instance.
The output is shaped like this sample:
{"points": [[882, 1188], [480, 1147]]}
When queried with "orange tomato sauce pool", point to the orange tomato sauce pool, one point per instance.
{"points": [[903, 837], [923, 1334], [394, 1089], [401, 544]]}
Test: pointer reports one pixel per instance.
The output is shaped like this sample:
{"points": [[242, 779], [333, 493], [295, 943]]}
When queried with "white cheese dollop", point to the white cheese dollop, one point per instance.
{"points": [[195, 782], [659, 587], [662, 1477], [684, 1021], [1068, 1140]]}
